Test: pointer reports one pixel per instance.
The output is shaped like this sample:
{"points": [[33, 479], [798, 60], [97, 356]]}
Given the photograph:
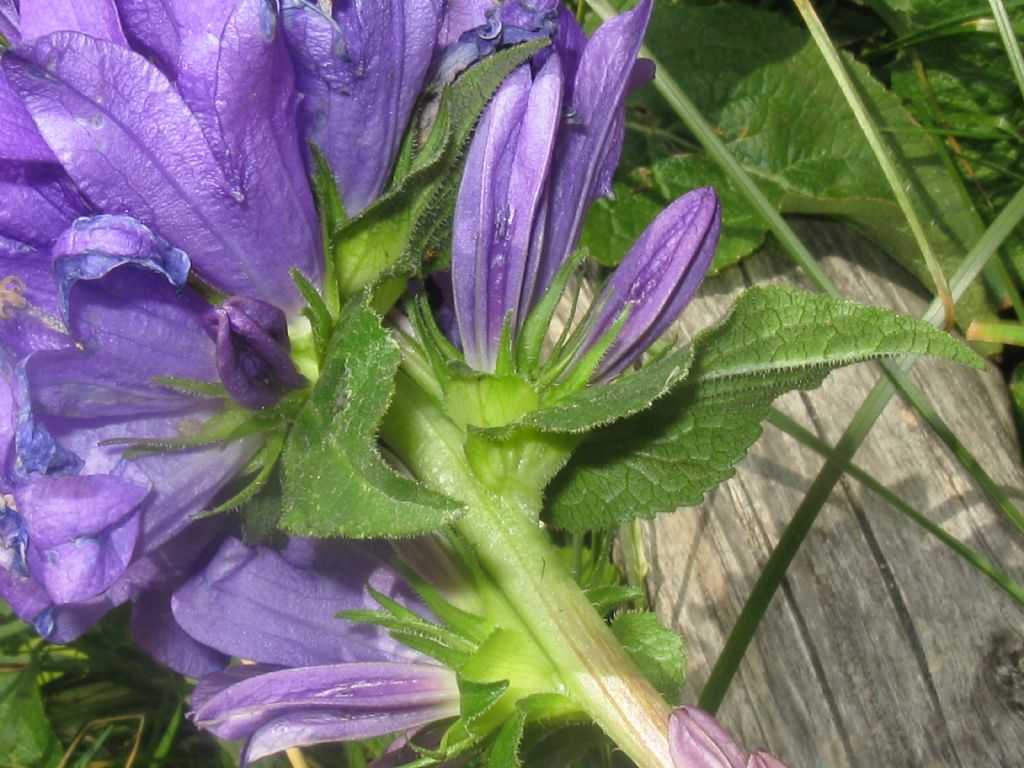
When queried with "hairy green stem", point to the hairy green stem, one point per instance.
{"points": [[520, 560]]}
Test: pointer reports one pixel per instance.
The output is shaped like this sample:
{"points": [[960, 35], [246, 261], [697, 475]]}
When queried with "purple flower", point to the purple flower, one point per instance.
{"points": [[360, 71], [697, 740], [656, 279], [146, 147], [315, 677], [546, 148]]}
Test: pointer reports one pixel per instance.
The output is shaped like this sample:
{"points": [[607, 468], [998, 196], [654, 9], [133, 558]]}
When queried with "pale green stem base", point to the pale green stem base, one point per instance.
{"points": [[516, 554]]}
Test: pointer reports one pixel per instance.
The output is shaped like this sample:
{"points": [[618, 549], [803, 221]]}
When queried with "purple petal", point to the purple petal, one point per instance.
{"points": [[154, 628], [761, 759], [657, 278], [82, 531], [96, 18], [360, 75], [133, 326], [275, 608], [152, 29], [461, 16], [19, 138], [697, 740], [93, 247], [253, 351], [589, 143], [307, 705], [29, 313], [36, 201], [132, 146], [502, 184]]}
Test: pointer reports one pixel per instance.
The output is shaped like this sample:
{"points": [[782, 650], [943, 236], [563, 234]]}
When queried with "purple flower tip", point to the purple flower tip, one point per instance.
{"points": [[761, 759], [697, 740], [253, 351], [657, 278]]}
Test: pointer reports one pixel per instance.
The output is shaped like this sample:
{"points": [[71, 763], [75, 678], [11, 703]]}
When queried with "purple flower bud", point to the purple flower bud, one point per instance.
{"points": [[253, 351], [696, 740], [499, 197], [657, 278], [761, 759]]}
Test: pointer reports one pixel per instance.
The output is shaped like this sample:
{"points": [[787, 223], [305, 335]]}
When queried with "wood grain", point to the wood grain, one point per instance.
{"points": [[882, 648]]}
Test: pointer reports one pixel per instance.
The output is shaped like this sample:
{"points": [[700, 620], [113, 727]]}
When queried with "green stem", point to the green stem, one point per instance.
{"points": [[522, 563], [874, 138]]}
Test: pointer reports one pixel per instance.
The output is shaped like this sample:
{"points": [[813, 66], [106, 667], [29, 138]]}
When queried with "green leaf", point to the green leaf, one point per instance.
{"points": [[478, 704], [411, 223], [26, 738], [599, 405], [657, 650], [774, 103], [774, 341], [505, 751], [333, 479], [607, 598]]}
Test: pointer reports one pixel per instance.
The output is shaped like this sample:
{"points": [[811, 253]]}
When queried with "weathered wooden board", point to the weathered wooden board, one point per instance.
{"points": [[883, 648]]}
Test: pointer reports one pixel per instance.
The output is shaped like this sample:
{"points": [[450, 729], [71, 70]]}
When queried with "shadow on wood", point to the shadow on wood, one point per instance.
{"points": [[882, 648]]}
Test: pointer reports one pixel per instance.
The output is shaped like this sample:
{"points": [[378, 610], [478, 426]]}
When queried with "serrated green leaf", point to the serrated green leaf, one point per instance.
{"points": [[411, 223], [477, 707], [780, 113], [599, 405], [607, 598], [657, 650], [333, 479], [26, 737], [504, 752], [775, 340]]}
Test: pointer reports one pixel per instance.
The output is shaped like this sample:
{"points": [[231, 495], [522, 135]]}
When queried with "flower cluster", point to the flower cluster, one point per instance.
{"points": [[157, 233]]}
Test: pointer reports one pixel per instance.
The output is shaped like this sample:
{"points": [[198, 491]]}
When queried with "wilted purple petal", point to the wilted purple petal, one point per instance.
{"points": [[96, 18], [296, 707], [502, 185], [82, 531], [93, 247], [253, 351], [583, 150], [657, 278], [360, 74], [132, 146], [280, 608], [761, 759], [133, 326], [697, 740]]}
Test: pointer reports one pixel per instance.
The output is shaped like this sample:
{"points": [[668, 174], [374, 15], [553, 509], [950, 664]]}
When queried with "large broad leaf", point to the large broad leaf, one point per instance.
{"points": [[775, 340], [26, 738], [764, 86], [333, 480]]}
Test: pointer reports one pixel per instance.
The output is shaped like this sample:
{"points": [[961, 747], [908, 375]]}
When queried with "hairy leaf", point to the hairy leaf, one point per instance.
{"points": [[657, 650], [775, 340], [334, 481]]}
